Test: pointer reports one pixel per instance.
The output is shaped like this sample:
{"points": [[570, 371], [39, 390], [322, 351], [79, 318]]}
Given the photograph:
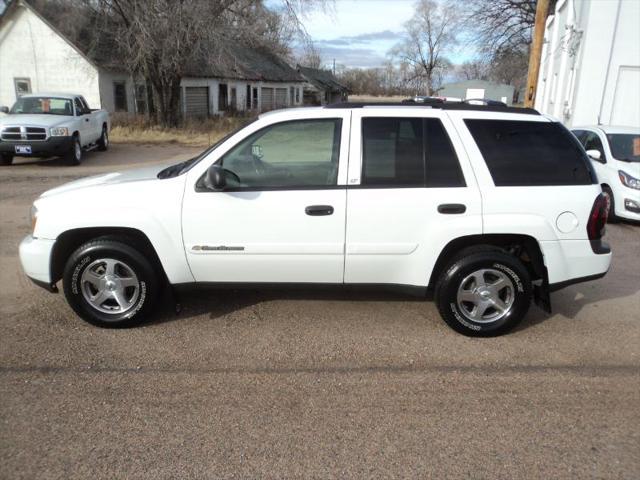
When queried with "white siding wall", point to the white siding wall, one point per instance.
{"points": [[107, 80], [29, 48], [582, 39]]}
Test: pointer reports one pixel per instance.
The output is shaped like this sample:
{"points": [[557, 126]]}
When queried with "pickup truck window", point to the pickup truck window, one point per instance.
{"points": [[42, 105], [287, 155], [408, 152]]}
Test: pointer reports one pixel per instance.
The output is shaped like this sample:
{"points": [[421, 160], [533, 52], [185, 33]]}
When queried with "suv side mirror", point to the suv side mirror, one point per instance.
{"points": [[215, 178], [4, 109], [595, 155]]}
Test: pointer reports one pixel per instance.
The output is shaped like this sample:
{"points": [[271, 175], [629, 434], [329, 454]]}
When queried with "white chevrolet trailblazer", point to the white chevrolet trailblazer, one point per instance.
{"points": [[485, 206], [615, 155], [52, 124]]}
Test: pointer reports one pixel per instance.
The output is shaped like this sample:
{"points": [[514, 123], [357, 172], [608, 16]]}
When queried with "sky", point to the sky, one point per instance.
{"points": [[359, 33]]}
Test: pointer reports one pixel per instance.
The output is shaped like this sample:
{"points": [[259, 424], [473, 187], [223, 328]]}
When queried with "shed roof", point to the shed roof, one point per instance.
{"points": [[322, 79]]}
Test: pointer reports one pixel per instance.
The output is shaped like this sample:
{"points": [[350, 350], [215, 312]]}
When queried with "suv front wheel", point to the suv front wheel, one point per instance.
{"points": [[110, 284], [483, 292]]}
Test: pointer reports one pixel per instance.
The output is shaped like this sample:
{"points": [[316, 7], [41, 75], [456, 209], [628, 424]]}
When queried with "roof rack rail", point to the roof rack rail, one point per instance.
{"points": [[492, 106]]}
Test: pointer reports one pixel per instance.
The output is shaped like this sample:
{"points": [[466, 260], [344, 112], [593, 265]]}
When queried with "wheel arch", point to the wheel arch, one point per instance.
{"points": [[68, 241], [524, 247]]}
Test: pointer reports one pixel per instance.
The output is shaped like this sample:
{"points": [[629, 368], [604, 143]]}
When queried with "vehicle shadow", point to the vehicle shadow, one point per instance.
{"points": [[216, 303]]}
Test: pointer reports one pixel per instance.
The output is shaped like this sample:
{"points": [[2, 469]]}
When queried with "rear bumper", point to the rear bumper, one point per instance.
{"points": [[50, 147], [35, 257], [573, 261]]}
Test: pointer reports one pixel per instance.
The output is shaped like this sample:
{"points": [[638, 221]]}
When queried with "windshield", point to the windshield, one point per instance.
{"points": [[182, 167], [625, 147], [43, 105]]}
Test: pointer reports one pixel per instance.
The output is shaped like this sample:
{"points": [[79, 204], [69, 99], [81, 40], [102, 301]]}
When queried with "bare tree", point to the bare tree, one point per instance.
{"points": [[472, 70], [310, 55], [498, 25], [431, 34]]}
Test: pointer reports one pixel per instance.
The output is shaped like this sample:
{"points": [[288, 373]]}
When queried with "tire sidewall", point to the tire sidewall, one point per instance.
{"points": [[448, 293], [103, 143], [83, 257]]}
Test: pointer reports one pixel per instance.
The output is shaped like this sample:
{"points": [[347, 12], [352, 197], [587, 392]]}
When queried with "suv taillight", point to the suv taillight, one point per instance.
{"points": [[598, 217]]}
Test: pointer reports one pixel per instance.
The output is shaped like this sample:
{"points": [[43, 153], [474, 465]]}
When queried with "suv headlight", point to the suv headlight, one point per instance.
{"points": [[628, 180], [60, 132], [34, 218]]}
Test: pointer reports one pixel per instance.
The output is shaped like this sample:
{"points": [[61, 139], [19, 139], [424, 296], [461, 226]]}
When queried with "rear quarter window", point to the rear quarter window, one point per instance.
{"points": [[520, 153]]}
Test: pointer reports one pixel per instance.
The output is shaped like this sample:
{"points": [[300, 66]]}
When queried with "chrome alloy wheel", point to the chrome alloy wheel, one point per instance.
{"points": [[486, 295], [105, 137], [77, 150], [110, 286]]}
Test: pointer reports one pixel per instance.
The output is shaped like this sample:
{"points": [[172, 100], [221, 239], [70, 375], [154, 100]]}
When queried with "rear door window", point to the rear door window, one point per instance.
{"points": [[408, 152], [520, 153]]}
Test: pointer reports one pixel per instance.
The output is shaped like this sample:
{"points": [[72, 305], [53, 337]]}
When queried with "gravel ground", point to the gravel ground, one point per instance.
{"points": [[311, 384]]}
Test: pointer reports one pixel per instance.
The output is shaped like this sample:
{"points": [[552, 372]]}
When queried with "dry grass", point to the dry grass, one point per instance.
{"points": [[195, 133]]}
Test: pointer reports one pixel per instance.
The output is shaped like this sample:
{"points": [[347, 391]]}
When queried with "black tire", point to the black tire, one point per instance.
{"points": [[6, 159], [612, 217], [495, 264], [91, 256], [103, 142], [74, 156]]}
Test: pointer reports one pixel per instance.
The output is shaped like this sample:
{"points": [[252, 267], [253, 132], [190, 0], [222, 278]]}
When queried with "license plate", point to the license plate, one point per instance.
{"points": [[24, 149]]}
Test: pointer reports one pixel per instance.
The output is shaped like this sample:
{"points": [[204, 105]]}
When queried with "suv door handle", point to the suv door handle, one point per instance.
{"points": [[318, 210], [451, 208]]}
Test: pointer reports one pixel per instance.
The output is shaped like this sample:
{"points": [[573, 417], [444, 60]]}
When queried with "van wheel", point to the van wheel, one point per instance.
{"points": [[6, 159], [74, 157], [612, 217], [103, 142], [110, 284], [483, 292]]}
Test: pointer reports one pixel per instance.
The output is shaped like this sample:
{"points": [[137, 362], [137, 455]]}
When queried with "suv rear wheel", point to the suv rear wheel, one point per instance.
{"points": [[103, 142], [110, 284], [483, 292]]}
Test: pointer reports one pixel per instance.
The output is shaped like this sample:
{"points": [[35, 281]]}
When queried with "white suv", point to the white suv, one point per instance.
{"points": [[485, 206], [615, 154]]}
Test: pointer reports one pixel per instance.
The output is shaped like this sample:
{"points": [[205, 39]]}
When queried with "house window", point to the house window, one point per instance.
{"points": [[223, 97], [22, 86], [141, 98], [248, 97], [120, 96], [254, 98], [297, 95], [292, 94]]}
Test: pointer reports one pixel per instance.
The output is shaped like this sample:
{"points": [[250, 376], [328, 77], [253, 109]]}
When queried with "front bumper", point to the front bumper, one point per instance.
{"points": [[53, 146], [35, 257]]}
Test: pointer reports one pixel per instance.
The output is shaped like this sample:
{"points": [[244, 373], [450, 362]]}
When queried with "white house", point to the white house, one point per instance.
{"points": [[590, 71], [35, 55]]}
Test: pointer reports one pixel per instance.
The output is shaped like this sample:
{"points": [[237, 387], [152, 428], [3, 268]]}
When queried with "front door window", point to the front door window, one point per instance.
{"points": [[289, 155]]}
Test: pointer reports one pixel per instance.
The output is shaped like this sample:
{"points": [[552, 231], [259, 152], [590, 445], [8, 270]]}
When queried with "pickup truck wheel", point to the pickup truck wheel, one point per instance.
{"points": [[110, 284], [6, 159], [484, 293], [103, 142], [74, 157]]}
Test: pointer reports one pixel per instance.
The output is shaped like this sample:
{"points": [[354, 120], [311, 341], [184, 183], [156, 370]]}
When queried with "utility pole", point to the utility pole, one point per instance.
{"points": [[542, 10]]}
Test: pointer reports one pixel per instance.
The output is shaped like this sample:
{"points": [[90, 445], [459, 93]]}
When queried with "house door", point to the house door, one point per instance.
{"points": [[267, 99]]}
